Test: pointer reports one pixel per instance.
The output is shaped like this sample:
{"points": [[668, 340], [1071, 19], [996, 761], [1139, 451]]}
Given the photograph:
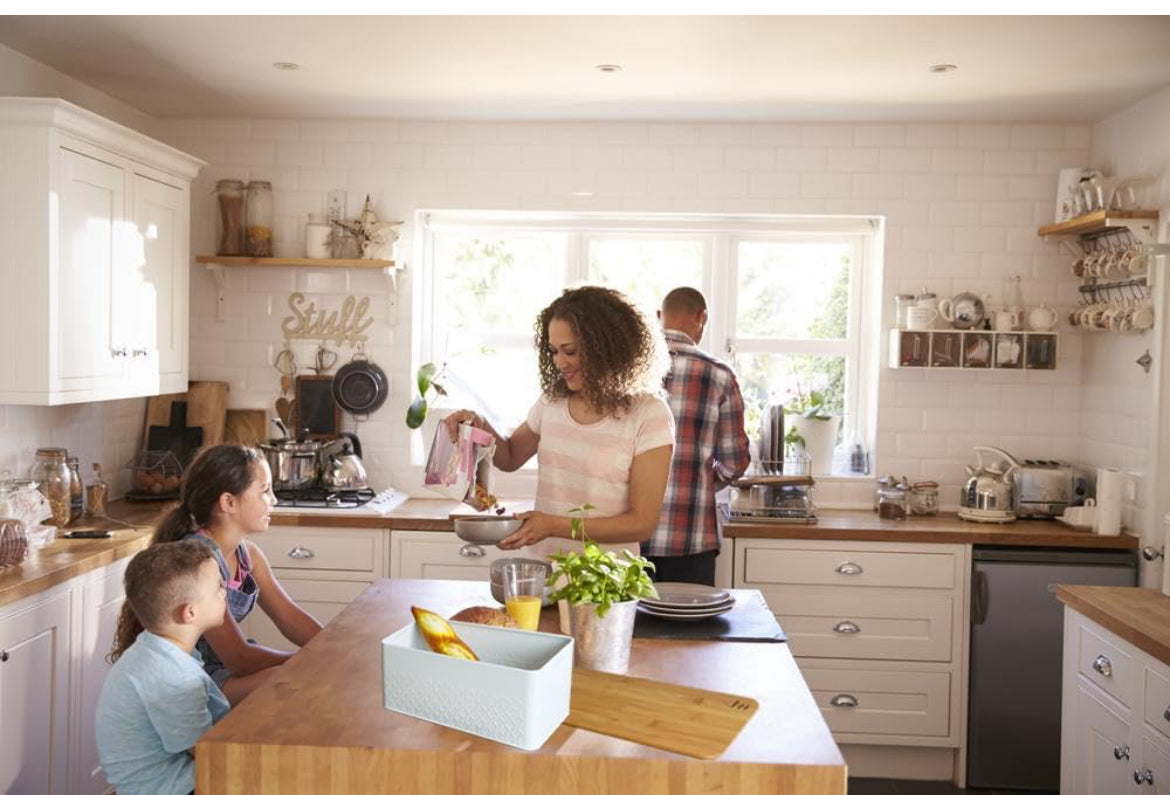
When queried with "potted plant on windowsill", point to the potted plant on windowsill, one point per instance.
{"points": [[601, 591], [812, 428]]}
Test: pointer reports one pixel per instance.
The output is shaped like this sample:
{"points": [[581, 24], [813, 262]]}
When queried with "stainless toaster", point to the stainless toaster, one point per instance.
{"points": [[1043, 489]]}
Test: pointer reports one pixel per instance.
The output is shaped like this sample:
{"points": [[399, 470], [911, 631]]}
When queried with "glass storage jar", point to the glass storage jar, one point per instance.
{"points": [[902, 304], [76, 491], [259, 217], [229, 220], [51, 473], [892, 502], [924, 499]]}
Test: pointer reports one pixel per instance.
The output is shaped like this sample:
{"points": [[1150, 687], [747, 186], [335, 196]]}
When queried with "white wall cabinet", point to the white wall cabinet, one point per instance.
{"points": [[1115, 714], [94, 253]]}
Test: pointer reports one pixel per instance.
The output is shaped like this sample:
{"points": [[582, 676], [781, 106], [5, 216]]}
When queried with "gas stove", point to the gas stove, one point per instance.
{"points": [[327, 502]]}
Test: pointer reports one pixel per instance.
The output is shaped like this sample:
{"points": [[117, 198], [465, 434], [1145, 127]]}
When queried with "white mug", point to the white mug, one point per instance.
{"points": [[1006, 320], [921, 318]]}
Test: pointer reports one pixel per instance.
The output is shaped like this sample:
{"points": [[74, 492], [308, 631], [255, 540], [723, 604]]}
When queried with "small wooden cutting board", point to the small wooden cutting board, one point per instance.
{"points": [[246, 426], [686, 720]]}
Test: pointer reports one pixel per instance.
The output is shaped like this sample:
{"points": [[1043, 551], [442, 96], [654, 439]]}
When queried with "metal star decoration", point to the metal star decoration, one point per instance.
{"points": [[375, 236]]}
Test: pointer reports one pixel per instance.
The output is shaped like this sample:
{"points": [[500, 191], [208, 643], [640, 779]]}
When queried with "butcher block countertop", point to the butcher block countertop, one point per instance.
{"points": [[319, 725], [945, 528], [65, 558], [1140, 615]]}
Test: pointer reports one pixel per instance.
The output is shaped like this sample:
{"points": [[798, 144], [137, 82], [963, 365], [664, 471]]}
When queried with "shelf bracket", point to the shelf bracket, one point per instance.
{"points": [[219, 275]]}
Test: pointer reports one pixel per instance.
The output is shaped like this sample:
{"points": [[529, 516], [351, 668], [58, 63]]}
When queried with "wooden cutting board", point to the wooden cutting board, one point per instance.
{"points": [[686, 720], [246, 426], [206, 409]]}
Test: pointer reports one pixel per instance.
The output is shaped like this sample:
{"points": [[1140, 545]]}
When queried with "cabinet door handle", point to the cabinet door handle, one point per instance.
{"points": [[1121, 752], [139, 352], [847, 628], [118, 353], [844, 700], [1166, 714], [849, 568], [1102, 666], [301, 553], [472, 551], [3, 656], [1143, 776]]}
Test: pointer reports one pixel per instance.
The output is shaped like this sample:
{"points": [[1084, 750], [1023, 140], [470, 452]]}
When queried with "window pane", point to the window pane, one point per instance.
{"points": [[777, 378], [646, 270], [793, 290], [500, 382], [496, 284]]}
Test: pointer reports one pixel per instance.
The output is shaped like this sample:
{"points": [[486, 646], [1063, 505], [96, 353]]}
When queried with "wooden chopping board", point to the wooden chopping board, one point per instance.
{"points": [[246, 426], [206, 409], [686, 720]]}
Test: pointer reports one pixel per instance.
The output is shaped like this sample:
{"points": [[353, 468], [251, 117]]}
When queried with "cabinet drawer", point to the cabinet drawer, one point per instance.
{"points": [[435, 555], [870, 625], [848, 567], [1105, 664], [303, 549], [882, 702], [1157, 700]]}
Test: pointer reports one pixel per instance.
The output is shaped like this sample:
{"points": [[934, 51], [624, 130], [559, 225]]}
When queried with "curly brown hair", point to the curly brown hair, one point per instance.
{"points": [[623, 356]]}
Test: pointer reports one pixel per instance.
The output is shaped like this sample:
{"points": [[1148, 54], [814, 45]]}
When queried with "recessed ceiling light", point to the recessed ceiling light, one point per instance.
{"points": [[286, 66], [608, 68], [942, 68]]}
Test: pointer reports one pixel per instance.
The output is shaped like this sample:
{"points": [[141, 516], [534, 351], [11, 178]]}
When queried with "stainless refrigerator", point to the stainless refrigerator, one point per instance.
{"points": [[1017, 628]]}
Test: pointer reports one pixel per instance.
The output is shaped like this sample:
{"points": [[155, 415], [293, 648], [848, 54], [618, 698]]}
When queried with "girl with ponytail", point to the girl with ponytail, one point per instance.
{"points": [[226, 495]]}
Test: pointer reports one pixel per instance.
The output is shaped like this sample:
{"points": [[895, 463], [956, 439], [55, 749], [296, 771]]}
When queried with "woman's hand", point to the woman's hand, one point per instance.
{"points": [[537, 527], [454, 420]]}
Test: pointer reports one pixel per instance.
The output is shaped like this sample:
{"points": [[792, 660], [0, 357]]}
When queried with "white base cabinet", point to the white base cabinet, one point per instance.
{"points": [[52, 667], [1115, 714], [94, 257]]}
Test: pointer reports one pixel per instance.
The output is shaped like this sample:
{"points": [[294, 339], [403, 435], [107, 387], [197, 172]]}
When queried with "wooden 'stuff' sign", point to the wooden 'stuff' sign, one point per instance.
{"points": [[347, 325]]}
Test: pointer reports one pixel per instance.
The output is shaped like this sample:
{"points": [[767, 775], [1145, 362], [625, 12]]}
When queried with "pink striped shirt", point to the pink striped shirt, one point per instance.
{"points": [[590, 464]]}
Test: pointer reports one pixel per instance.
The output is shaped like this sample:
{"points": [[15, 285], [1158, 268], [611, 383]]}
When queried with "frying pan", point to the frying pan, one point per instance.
{"points": [[360, 387]]}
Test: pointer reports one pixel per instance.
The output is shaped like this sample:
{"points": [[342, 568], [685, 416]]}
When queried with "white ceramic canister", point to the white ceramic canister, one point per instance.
{"points": [[318, 238], [926, 300]]}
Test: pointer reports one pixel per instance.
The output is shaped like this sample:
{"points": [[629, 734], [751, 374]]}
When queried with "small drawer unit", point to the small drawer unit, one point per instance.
{"points": [[324, 552], [883, 702], [1105, 663]]}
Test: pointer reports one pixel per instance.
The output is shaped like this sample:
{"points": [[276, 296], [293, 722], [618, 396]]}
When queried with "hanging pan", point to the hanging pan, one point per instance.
{"points": [[360, 387]]}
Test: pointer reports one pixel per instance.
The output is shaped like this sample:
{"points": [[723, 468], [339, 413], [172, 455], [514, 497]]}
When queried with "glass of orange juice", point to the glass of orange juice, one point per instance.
{"points": [[523, 589]]}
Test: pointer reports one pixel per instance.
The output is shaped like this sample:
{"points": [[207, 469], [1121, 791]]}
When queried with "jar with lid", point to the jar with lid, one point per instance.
{"points": [[924, 498], [51, 473], [892, 502], [229, 220], [76, 491], [259, 219], [318, 237], [902, 304], [95, 494]]}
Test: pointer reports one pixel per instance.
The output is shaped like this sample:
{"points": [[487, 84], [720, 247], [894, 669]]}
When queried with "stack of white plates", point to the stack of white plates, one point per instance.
{"points": [[684, 601]]}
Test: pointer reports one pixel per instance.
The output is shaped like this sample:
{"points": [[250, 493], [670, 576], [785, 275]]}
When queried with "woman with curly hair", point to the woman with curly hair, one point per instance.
{"points": [[602, 432]]}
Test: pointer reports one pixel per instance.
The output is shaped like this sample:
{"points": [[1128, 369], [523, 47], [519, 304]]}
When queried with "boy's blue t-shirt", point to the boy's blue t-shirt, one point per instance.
{"points": [[154, 706]]}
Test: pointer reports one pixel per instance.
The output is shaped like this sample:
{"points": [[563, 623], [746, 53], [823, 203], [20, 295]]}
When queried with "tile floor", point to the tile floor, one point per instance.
{"points": [[887, 786]]}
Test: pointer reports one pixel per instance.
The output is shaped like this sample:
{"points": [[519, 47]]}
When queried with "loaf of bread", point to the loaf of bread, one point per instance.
{"points": [[485, 615]]}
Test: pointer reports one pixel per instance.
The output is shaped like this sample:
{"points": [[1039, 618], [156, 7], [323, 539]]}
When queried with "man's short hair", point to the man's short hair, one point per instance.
{"points": [[162, 577], [684, 300]]}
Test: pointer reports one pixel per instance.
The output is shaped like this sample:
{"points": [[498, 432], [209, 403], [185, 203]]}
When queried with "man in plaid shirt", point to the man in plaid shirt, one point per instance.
{"points": [[710, 446]]}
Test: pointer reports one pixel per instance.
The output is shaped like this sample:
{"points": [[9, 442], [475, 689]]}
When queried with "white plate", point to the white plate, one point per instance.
{"points": [[687, 595], [684, 609], [690, 615]]}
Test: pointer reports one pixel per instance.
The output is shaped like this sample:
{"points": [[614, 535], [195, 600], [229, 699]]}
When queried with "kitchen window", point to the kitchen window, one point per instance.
{"points": [[792, 302]]}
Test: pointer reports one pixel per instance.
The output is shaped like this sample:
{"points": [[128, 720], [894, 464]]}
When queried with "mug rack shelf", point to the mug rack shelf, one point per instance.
{"points": [[1145, 221], [952, 349]]}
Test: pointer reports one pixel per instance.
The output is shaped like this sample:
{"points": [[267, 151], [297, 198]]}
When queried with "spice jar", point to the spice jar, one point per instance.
{"points": [[924, 498], [259, 215], [51, 473], [229, 221], [76, 491], [892, 502]]}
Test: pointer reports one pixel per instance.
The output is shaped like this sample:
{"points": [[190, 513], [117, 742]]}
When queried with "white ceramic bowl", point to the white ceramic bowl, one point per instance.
{"points": [[486, 529]]}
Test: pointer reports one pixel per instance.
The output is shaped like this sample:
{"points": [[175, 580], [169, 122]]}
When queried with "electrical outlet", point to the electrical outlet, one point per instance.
{"points": [[335, 205], [1131, 486]]}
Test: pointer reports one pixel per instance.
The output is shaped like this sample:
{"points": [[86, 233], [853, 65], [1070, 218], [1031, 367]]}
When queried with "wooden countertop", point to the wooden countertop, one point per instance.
{"points": [[65, 558], [319, 725], [945, 528], [1140, 615]]}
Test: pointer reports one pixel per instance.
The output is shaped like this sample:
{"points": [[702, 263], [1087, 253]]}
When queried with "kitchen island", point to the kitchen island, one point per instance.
{"points": [[319, 725]]}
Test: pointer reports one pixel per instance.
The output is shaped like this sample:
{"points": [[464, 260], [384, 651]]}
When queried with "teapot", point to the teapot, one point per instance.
{"points": [[987, 494], [341, 465], [1041, 318]]}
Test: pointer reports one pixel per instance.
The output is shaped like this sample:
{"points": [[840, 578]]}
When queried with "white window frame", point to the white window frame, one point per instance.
{"points": [[721, 235]]}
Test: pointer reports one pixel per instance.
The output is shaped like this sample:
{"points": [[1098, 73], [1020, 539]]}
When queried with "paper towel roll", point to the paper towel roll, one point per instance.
{"points": [[1109, 485]]}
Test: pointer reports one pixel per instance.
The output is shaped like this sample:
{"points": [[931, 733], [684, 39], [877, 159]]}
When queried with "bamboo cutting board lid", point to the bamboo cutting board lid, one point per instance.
{"points": [[686, 720]]}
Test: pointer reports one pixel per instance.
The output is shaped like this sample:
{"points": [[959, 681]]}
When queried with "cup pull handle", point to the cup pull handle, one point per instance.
{"points": [[844, 700], [1102, 665], [472, 551], [1121, 752], [849, 568], [301, 553], [847, 628]]}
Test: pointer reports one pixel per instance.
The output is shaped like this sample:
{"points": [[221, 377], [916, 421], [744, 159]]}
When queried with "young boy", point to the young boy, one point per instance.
{"points": [[157, 700]]}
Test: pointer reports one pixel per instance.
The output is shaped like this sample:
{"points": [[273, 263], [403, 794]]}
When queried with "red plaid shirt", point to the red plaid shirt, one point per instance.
{"points": [[710, 448]]}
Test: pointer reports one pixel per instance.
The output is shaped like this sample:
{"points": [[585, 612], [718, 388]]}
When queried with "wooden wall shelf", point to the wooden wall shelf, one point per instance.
{"points": [[295, 262], [1098, 221]]}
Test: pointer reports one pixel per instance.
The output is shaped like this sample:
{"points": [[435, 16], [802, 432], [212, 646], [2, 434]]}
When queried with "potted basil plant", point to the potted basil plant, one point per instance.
{"points": [[601, 591]]}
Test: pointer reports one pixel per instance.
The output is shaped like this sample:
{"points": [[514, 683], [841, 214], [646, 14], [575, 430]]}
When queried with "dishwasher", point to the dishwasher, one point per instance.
{"points": [[1017, 628]]}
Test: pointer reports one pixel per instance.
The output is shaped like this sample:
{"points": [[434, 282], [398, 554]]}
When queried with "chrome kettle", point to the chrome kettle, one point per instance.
{"points": [[987, 494], [343, 470]]}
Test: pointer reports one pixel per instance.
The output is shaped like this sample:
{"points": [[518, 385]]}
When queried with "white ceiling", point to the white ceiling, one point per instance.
{"points": [[1064, 69]]}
